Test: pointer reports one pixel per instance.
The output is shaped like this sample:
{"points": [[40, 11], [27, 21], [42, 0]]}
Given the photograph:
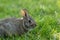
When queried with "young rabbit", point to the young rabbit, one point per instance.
{"points": [[16, 26]]}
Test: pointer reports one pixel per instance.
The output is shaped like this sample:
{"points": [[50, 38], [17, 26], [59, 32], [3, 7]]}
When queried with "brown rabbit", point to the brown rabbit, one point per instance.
{"points": [[16, 26]]}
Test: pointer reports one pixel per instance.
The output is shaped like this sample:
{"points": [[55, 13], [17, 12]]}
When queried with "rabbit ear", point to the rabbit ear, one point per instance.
{"points": [[24, 12]]}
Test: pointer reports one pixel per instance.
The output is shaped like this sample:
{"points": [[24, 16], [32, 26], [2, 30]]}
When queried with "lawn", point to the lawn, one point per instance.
{"points": [[45, 12]]}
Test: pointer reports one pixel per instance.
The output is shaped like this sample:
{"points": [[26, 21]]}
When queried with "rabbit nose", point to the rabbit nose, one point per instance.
{"points": [[33, 25]]}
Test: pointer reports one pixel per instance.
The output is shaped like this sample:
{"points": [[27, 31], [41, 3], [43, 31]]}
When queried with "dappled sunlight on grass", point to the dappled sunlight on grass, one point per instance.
{"points": [[56, 36], [58, 3]]}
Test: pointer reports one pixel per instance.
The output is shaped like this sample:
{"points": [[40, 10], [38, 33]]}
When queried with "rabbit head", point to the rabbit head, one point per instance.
{"points": [[28, 20]]}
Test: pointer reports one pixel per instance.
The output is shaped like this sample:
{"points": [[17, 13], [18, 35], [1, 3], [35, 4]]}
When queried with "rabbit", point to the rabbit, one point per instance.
{"points": [[17, 26]]}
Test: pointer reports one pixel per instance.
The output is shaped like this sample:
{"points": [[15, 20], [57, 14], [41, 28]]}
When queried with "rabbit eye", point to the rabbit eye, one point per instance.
{"points": [[29, 21]]}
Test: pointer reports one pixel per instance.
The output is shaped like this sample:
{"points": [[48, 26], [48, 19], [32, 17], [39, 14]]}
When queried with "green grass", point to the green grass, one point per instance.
{"points": [[45, 12]]}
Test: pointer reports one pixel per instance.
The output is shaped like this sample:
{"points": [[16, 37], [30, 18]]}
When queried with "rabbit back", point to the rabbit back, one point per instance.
{"points": [[12, 26]]}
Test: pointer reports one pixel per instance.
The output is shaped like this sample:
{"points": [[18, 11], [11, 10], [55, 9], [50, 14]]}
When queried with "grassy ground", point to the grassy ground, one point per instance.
{"points": [[45, 12]]}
